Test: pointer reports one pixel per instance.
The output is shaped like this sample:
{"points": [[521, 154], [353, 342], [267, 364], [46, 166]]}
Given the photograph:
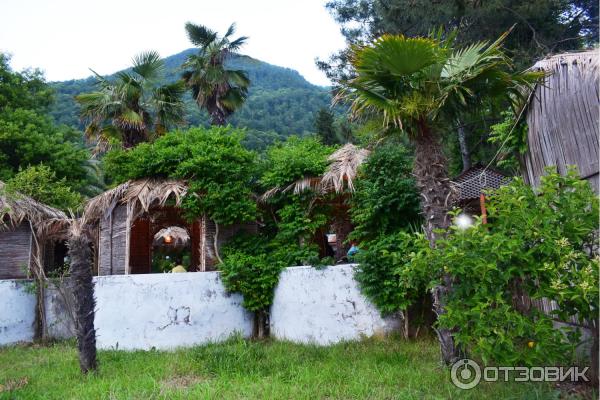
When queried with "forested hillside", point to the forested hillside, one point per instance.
{"points": [[280, 102]]}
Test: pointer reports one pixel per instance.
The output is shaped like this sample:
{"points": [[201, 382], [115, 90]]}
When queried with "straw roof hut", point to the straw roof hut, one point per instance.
{"points": [[563, 117], [339, 175], [126, 220], [337, 179], [28, 231]]}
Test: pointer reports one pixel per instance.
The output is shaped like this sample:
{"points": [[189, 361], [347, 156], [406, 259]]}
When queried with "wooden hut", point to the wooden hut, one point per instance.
{"points": [[31, 236], [563, 118], [129, 220]]}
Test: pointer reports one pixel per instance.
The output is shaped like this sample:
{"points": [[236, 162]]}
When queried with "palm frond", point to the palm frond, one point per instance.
{"points": [[230, 31], [148, 65], [236, 44], [200, 35]]}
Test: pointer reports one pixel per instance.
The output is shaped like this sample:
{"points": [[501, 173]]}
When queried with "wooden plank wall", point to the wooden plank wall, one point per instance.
{"points": [[14, 252], [563, 119], [112, 251], [140, 247]]}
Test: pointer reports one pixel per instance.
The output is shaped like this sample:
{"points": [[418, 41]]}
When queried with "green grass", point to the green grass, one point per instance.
{"points": [[239, 369]]}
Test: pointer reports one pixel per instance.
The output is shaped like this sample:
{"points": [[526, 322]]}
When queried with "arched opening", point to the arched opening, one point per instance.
{"points": [[161, 240]]}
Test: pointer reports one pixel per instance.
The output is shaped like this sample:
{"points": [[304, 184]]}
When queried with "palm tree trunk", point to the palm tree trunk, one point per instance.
{"points": [[431, 174], [464, 149], [81, 272], [217, 118]]}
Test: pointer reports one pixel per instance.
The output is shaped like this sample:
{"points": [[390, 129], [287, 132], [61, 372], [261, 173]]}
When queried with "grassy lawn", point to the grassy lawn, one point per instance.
{"points": [[239, 369]]}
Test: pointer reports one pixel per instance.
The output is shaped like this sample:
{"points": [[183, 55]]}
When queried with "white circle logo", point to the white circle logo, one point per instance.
{"points": [[465, 374]]}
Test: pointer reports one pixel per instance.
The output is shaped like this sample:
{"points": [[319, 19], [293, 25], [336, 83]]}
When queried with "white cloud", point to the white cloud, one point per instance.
{"points": [[67, 37]]}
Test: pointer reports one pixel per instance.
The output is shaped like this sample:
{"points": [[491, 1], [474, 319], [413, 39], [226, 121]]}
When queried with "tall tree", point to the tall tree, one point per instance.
{"points": [[133, 108], [29, 138], [215, 88], [83, 293], [541, 26], [419, 86], [27, 89], [324, 127]]}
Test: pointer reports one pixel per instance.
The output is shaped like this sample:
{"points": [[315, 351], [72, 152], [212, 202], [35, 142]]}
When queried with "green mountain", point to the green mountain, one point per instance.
{"points": [[280, 101]]}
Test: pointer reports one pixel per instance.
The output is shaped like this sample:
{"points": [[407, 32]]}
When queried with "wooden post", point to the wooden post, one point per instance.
{"points": [[483, 209]]}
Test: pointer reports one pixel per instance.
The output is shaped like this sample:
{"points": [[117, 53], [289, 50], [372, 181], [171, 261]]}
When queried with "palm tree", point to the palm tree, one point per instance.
{"points": [[215, 88], [83, 293], [420, 87], [133, 108]]}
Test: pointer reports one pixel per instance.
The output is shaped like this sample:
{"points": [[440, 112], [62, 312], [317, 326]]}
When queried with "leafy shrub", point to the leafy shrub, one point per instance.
{"points": [[254, 276], [219, 170], [41, 184], [386, 273], [294, 159], [386, 198], [536, 245]]}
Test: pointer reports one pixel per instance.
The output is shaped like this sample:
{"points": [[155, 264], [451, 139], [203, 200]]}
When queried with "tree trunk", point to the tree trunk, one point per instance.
{"points": [[464, 150], [217, 117], [431, 174], [261, 328], [83, 291]]}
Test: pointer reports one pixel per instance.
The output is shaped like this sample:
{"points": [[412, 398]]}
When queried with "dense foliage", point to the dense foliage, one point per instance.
{"points": [[27, 89], [537, 245], [387, 275], [40, 183], [29, 138], [294, 159], [217, 167], [386, 198], [541, 27], [280, 101], [290, 222], [255, 277]]}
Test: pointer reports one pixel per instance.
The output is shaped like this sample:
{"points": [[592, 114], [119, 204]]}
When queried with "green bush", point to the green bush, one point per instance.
{"points": [[536, 245], [386, 199], [218, 169], [40, 183], [254, 276], [387, 275]]}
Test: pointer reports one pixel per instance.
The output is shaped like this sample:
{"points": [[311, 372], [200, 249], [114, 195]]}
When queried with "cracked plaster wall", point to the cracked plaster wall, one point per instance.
{"points": [[324, 307], [165, 311]]}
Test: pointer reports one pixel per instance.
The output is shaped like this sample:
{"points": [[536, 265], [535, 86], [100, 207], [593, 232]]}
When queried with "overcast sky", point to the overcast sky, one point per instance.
{"points": [[66, 37]]}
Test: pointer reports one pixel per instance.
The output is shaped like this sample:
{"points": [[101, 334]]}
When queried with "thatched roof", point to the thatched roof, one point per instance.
{"points": [[563, 117], [17, 208], [339, 176], [179, 237], [139, 196], [587, 60], [343, 168]]}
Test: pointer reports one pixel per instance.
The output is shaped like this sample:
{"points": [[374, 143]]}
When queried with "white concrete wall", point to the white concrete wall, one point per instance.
{"points": [[323, 307], [59, 309], [17, 311], [166, 311]]}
